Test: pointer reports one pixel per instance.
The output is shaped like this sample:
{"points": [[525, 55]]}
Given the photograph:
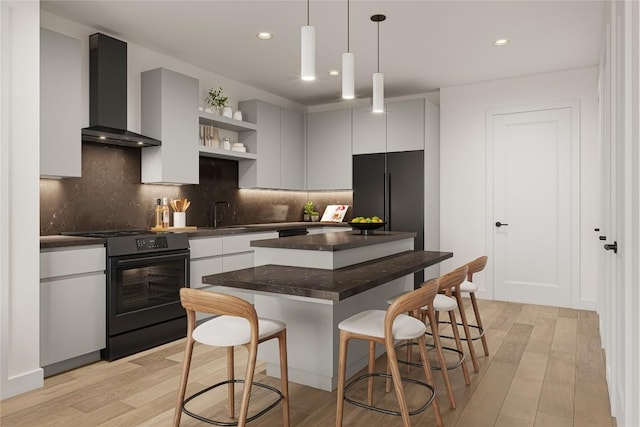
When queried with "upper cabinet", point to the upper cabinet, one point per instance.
{"points": [[278, 143], [60, 106], [170, 114], [405, 125], [292, 139], [329, 150], [400, 128], [369, 131]]}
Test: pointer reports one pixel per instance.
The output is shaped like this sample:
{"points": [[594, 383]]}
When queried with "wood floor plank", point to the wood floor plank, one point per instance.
{"points": [[513, 388]]}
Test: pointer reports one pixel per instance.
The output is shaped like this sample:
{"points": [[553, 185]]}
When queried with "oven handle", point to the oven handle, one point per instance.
{"points": [[153, 257]]}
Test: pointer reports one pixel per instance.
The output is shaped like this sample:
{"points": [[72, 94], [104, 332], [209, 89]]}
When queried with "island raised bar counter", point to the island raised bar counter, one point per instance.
{"points": [[313, 282]]}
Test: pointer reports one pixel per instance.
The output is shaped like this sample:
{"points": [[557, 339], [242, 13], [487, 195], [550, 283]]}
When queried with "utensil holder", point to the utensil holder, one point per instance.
{"points": [[179, 219]]}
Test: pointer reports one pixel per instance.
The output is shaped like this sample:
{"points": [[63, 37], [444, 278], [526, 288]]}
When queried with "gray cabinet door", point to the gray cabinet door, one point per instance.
{"points": [[265, 142], [292, 165], [405, 125], [170, 114], [329, 150], [60, 116], [369, 131]]}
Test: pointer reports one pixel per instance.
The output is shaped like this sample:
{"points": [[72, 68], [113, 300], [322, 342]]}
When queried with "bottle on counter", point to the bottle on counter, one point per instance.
{"points": [[165, 212], [158, 213]]}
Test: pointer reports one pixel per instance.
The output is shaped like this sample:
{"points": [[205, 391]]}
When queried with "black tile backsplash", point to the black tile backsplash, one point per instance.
{"points": [[109, 195]]}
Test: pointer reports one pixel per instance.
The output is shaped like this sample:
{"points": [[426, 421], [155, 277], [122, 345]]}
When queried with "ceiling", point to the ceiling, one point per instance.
{"points": [[424, 45]]}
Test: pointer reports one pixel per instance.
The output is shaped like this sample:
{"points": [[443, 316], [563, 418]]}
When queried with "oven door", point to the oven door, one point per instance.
{"points": [[144, 290]]}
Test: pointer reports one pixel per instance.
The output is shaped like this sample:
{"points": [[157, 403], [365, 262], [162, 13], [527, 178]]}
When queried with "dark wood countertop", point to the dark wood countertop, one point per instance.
{"points": [[334, 285], [333, 241]]}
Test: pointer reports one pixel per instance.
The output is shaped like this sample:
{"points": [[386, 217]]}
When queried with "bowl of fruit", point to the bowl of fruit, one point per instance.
{"points": [[367, 225]]}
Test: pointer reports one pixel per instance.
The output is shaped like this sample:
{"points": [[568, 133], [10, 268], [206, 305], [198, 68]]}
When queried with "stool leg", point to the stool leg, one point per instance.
{"points": [[443, 363], [342, 368], [467, 332], [372, 362], [427, 373], [183, 380], [456, 335], [231, 386], [248, 381], [474, 303], [397, 384], [284, 377]]}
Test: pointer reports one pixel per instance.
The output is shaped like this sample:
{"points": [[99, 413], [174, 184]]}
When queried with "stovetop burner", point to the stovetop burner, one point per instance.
{"points": [[108, 233]]}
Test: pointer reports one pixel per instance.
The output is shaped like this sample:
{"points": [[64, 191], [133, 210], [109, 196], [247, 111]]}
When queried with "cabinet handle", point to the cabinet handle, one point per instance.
{"points": [[499, 224]]}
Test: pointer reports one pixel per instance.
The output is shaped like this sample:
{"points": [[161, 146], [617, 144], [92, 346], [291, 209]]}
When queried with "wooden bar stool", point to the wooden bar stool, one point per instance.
{"points": [[384, 327], [237, 324], [470, 288]]}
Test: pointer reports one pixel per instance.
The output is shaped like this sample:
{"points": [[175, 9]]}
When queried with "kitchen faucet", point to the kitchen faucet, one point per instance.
{"points": [[215, 211]]}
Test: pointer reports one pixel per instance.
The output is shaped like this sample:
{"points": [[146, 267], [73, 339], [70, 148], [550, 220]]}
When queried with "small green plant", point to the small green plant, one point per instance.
{"points": [[216, 98], [309, 209]]}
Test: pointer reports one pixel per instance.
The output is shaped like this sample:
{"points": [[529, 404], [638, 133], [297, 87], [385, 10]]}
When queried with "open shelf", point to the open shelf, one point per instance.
{"points": [[221, 153], [225, 122]]}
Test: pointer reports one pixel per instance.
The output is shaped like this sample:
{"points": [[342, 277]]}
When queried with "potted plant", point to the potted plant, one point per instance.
{"points": [[309, 211], [216, 100]]}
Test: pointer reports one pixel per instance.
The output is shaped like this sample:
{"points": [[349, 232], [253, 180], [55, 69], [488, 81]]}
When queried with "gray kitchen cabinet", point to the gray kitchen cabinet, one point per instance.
{"points": [[369, 131], [170, 114], [329, 150], [72, 307], [279, 145], [265, 142], [405, 125], [60, 106], [292, 164]]}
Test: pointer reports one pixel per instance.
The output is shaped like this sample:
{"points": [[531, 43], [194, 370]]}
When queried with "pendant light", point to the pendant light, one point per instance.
{"points": [[308, 50], [378, 77], [348, 68]]}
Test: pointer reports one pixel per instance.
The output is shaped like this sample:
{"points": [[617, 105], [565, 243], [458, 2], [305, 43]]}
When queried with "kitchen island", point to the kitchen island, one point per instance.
{"points": [[314, 282]]}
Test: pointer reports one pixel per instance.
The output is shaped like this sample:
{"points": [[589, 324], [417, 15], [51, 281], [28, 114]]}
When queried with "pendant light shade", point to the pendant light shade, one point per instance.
{"points": [[308, 50], [378, 93], [378, 77], [348, 75], [348, 67]]}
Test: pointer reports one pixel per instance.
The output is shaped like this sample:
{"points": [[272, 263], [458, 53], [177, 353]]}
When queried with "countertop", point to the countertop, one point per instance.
{"points": [[334, 285], [333, 241], [59, 241]]}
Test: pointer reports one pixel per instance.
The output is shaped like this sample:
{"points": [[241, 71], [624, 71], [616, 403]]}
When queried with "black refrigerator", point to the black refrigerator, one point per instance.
{"points": [[391, 186]]}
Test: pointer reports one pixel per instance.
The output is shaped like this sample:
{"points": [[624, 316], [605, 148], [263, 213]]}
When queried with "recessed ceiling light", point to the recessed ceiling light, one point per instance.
{"points": [[264, 35], [334, 73], [501, 42]]}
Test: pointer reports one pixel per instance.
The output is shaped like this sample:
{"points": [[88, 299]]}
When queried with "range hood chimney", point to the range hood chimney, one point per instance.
{"points": [[108, 95]]}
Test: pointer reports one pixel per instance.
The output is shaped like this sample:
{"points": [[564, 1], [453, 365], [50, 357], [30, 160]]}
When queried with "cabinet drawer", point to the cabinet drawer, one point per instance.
{"points": [[242, 243], [72, 261], [203, 267], [72, 317], [206, 247], [237, 261]]}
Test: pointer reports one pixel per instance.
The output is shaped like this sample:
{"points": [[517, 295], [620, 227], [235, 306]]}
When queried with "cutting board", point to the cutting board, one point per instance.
{"points": [[175, 229]]}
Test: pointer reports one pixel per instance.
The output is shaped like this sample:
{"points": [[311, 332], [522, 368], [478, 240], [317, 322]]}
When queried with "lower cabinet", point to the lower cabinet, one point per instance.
{"points": [[72, 307]]}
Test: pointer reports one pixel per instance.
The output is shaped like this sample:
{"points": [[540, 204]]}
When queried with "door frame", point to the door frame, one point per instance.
{"points": [[574, 106]]}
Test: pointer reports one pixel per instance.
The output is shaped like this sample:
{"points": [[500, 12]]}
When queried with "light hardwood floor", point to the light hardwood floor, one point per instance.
{"points": [[546, 368]]}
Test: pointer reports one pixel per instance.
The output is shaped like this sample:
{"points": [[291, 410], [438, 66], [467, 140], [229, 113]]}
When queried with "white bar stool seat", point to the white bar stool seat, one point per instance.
{"points": [[226, 331]]}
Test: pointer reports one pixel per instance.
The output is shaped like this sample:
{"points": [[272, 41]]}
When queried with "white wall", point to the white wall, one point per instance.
{"points": [[19, 201], [140, 58], [463, 112]]}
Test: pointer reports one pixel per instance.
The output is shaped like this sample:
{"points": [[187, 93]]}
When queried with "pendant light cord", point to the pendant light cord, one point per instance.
{"points": [[348, 25], [307, 13], [378, 46]]}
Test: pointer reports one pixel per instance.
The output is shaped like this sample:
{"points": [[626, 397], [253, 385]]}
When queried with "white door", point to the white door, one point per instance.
{"points": [[532, 156]]}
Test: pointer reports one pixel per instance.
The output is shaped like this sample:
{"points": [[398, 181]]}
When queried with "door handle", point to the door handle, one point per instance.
{"points": [[602, 237], [499, 224], [613, 247]]}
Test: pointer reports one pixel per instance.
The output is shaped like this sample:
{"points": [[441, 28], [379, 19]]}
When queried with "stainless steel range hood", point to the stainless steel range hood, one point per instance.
{"points": [[108, 95]]}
